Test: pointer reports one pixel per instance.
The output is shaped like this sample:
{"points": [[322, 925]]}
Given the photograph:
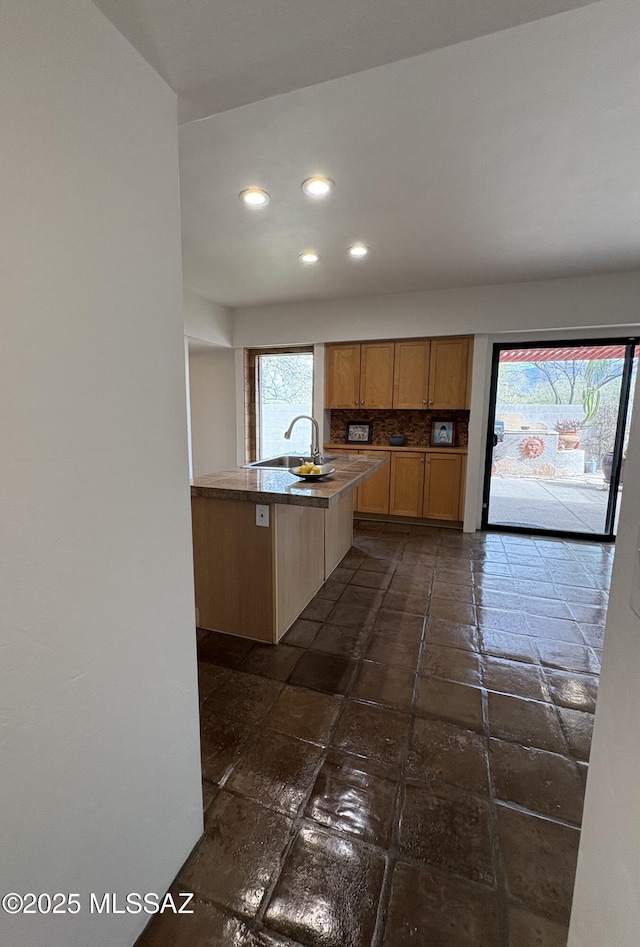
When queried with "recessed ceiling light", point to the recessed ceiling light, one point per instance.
{"points": [[309, 256], [255, 197], [357, 251], [317, 186]]}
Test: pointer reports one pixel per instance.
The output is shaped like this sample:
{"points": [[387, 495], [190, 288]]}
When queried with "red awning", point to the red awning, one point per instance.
{"points": [[576, 353]]}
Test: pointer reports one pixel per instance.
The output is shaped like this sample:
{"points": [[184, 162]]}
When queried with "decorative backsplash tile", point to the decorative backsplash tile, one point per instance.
{"points": [[415, 425]]}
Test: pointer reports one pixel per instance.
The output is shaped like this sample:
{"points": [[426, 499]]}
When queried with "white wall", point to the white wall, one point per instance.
{"points": [[213, 410], [579, 303], [606, 907], [100, 774], [206, 321]]}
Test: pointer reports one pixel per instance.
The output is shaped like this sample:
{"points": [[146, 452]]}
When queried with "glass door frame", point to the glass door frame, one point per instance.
{"points": [[630, 343]]}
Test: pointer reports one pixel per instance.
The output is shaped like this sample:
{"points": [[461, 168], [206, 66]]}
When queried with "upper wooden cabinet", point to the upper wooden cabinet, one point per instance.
{"points": [[427, 374], [449, 373], [411, 374], [359, 375]]}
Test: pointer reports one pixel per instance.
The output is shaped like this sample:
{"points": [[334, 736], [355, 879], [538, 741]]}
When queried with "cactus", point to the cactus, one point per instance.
{"points": [[590, 402]]}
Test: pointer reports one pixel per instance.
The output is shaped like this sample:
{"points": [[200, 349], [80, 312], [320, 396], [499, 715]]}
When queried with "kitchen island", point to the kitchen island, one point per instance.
{"points": [[256, 569]]}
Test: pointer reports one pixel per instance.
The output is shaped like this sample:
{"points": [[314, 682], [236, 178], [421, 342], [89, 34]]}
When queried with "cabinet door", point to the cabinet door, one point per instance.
{"points": [[443, 486], [373, 494], [342, 376], [448, 373], [407, 484], [411, 374], [376, 375]]}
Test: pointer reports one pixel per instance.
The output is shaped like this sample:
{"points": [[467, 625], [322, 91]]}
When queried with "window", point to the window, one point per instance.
{"points": [[281, 387]]}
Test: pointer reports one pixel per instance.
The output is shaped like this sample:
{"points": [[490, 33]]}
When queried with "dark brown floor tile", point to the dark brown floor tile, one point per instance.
{"points": [[528, 930], [269, 660], [525, 721], [546, 607], [413, 604], [578, 728], [421, 571], [539, 859], [452, 634], [417, 586], [441, 751], [342, 573], [448, 830], [593, 634], [450, 610], [451, 702], [567, 657], [504, 645], [395, 650], [492, 598], [208, 926], [323, 672], [377, 733], [276, 771], [244, 698], [327, 891], [573, 690], [428, 910], [225, 650], [451, 577], [222, 741], [317, 609], [356, 796], [393, 622], [210, 676], [354, 616], [501, 619], [302, 633], [239, 854], [554, 629], [455, 593], [305, 714], [452, 664], [378, 565], [362, 596], [381, 684], [514, 677], [332, 589], [583, 769], [372, 580], [209, 793], [534, 779], [338, 639]]}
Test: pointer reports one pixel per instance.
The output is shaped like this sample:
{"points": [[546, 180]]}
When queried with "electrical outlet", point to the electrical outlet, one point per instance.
{"points": [[262, 514]]}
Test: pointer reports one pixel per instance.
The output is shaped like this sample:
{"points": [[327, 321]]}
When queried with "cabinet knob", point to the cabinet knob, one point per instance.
{"points": [[431, 402], [423, 401], [356, 402]]}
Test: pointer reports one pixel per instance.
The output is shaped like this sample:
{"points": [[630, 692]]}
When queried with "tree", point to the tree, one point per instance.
{"points": [[286, 378]]}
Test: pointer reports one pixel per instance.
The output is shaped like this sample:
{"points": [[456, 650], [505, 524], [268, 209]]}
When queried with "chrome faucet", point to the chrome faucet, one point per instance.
{"points": [[315, 435]]}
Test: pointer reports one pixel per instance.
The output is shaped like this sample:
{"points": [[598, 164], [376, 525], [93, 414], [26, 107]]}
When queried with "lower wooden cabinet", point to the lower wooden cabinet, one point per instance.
{"points": [[443, 486], [407, 484], [421, 484], [373, 494]]}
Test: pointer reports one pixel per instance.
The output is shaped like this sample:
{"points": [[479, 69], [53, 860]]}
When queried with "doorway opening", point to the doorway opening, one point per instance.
{"points": [[558, 427]]}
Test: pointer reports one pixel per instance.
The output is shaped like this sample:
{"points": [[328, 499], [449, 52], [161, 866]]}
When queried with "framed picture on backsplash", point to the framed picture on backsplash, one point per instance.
{"points": [[442, 433], [359, 432]]}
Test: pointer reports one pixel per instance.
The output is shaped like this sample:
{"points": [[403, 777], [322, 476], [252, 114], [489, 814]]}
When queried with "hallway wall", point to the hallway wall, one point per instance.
{"points": [[100, 788]]}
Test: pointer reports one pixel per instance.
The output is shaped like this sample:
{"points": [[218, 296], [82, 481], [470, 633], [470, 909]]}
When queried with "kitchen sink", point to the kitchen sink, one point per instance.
{"points": [[286, 461]]}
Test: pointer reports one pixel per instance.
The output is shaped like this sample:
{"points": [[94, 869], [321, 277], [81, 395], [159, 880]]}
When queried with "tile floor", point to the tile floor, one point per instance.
{"points": [[382, 780]]}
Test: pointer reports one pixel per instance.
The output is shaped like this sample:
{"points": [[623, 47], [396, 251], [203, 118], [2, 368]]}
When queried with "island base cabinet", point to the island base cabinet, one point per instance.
{"points": [[251, 580], [443, 486]]}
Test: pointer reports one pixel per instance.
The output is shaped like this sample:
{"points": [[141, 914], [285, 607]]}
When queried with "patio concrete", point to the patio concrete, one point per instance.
{"points": [[543, 503]]}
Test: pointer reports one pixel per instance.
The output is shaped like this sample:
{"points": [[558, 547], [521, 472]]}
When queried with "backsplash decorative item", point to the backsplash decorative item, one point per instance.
{"points": [[359, 432], [398, 440], [442, 433], [414, 425]]}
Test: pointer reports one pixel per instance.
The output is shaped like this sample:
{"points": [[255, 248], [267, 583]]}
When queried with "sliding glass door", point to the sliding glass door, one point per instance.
{"points": [[557, 436]]}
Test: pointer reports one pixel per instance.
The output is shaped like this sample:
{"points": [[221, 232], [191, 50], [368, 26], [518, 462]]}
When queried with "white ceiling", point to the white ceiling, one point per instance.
{"points": [[513, 156], [219, 54]]}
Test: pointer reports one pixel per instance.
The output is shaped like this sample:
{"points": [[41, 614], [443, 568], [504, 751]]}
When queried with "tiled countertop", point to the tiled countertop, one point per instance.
{"points": [[257, 485]]}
